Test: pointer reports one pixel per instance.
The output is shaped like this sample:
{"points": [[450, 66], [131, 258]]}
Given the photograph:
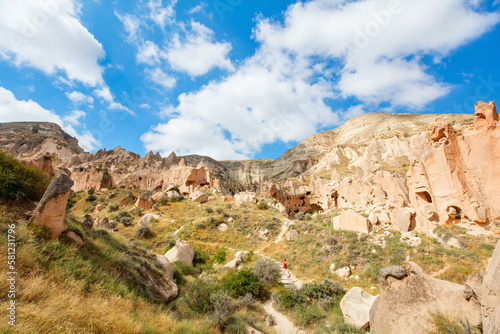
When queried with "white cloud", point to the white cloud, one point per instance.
{"points": [[197, 9], [373, 39], [198, 53], [49, 36], [160, 14], [131, 24], [158, 76], [323, 51], [148, 53], [79, 98], [105, 94], [269, 98], [74, 117], [14, 110]]}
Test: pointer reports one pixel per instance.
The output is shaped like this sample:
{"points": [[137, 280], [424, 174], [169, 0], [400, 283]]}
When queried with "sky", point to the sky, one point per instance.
{"points": [[239, 79]]}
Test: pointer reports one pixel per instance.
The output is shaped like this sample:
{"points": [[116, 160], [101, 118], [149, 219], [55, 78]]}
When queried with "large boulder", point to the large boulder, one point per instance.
{"points": [[165, 265], [181, 252], [356, 306], [491, 294], [198, 196], [292, 235], [352, 221], [51, 210], [127, 199], [245, 197], [148, 218], [88, 223], [158, 196], [408, 296], [144, 202], [159, 289]]}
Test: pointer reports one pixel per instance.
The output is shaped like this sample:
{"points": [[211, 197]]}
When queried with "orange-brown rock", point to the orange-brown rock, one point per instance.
{"points": [[127, 199], [51, 210], [44, 163], [408, 296], [491, 294], [485, 116], [144, 202]]}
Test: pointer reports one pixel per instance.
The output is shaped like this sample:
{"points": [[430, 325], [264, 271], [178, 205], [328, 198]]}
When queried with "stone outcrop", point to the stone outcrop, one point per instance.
{"points": [[491, 295], [408, 295], [165, 264], [352, 221], [88, 223], [356, 306], [144, 202], [159, 289], [148, 218], [181, 252], [127, 199], [198, 196], [245, 197], [51, 210]]}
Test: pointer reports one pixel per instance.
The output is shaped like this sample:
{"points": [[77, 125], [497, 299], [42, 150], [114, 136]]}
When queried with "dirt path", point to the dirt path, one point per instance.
{"points": [[283, 325], [174, 235]]}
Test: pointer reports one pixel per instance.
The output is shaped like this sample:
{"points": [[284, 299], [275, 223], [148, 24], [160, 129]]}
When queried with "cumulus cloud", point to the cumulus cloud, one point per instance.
{"points": [[161, 14], [323, 51], [49, 36], [377, 42], [161, 78], [148, 53], [14, 110], [79, 98], [197, 53], [105, 94]]}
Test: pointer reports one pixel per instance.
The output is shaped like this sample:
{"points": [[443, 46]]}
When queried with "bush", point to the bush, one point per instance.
{"points": [[182, 269], [144, 232], [91, 198], [114, 207], [170, 243], [198, 295], [220, 256], [223, 308], [262, 206], [267, 271], [200, 257], [71, 202], [91, 191], [139, 211], [20, 181], [445, 325], [209, 210], [174, 188], [126, 221], [40, 232], [308, 314], [302, 216], [240, 283], [163, 201]]}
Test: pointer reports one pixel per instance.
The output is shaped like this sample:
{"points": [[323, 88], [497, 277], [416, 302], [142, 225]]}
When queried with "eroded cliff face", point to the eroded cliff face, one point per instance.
{"points": [[406, 171]]}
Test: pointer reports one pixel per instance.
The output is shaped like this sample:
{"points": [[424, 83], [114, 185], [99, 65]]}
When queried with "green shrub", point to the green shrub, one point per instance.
{"points": [[91, 191], [220, 256], [126, 221], [198, 295], [200, 257], [40, 232], [163, 201], [71, 202], [170, 244], [239, 283], [262, 206], [308, 314], [182, 269], [122, 187], [302, 216], [223, 308], [114, 207], [139, 211], [20, 181], [445, 325], [144, 232], [267, 271], [209, 210], [91, 198], [174, 188]]}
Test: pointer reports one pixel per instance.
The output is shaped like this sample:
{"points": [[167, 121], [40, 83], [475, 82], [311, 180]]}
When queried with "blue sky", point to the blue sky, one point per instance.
{"points": [[237, 79]]}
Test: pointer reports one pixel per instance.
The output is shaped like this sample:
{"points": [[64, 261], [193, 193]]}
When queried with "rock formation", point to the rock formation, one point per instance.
{"points": [[181, 252], [356, 306], [408, 295], [491, 295], [51, 210]]}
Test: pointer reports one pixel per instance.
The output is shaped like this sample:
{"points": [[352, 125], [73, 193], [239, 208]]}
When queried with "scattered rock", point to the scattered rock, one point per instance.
{"points": [[88, 223], [148, 218], [198, 196], [125, 201], [181, 252], [245, 197], [292, 235], [356, 306], [269, 321], [343, 272], [98, 208], [73, 236], [236, 261], [51, 210], [104, 223], [223, 227]]}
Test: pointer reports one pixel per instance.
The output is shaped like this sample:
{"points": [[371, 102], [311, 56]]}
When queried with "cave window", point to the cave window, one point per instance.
{"points": [[425, 196]]}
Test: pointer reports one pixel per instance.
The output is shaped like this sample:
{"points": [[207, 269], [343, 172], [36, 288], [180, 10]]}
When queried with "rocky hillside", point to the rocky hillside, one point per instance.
{"points": [[407, 171]]}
